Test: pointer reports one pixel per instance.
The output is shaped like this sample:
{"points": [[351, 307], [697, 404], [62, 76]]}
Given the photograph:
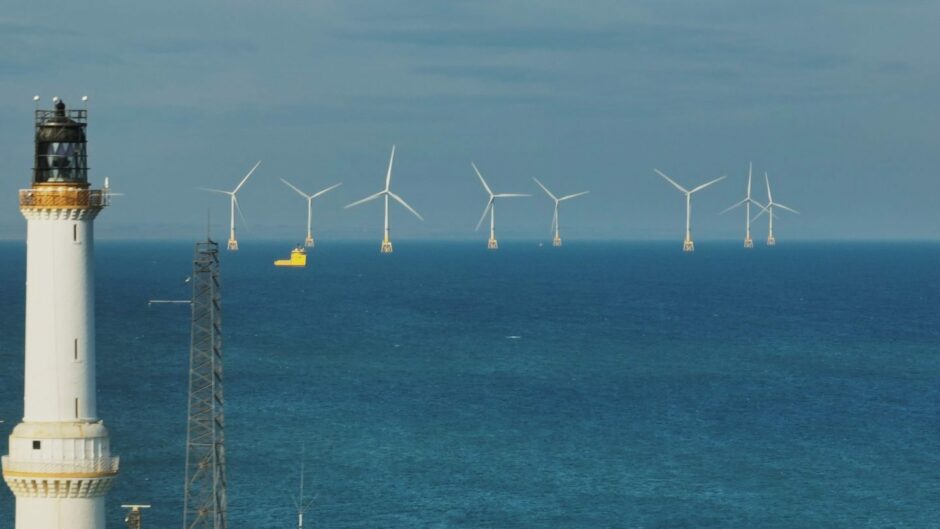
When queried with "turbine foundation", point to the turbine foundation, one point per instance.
{"points": [[233, 245], [556, 241], [748, 243], [492, 244], [386, 246], [688, 246], [771, 241], [308, 242]]}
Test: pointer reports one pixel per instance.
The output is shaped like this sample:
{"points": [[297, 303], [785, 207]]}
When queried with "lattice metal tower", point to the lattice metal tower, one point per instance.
{"points": [[204, 505]]}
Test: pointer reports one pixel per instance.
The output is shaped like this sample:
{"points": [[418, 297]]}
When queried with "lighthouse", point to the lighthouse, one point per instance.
{"points": [[60, 465]]}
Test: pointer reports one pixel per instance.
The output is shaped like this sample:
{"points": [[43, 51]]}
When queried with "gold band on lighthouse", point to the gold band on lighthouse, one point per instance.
{"points": [[62, 198]]}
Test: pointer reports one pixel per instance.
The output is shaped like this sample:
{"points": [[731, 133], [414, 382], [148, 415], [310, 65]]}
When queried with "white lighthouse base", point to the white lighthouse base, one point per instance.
{"points": [[71, 513]]}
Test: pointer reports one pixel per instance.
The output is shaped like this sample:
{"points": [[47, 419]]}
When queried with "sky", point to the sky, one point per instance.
{"points": [[836, 100]]}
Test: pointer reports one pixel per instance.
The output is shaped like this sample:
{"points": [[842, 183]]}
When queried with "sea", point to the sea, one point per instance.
{"points": [[596, 385]]}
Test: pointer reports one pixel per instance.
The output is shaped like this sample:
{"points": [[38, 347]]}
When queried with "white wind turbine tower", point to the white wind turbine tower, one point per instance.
{"points": [[308, 242], [386, 242], [555, 228], [688, 245], [232, 243], [769, 209], [746, 202], [491, 208]]}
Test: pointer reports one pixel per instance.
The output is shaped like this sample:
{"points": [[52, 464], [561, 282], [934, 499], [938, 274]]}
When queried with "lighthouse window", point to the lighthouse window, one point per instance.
{"points": [[76, 407], [61, 162], [75, 353], [37, 445], [74, 232]]}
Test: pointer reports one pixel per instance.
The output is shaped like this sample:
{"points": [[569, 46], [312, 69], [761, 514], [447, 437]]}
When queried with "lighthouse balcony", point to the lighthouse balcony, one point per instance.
{"points": [[63, 197], [60, 479], [95, 467]]}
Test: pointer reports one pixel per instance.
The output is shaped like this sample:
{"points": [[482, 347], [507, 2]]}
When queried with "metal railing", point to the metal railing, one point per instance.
{"points": [[63, 197], [98, 465], [78, 115]]}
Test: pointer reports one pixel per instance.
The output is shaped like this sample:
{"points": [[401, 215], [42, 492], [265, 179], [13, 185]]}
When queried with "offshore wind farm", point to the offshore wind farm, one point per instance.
{"points": [[166, 364]]}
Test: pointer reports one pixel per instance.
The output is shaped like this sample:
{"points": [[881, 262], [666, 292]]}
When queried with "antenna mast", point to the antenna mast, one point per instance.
{"points": [[204, 503]]}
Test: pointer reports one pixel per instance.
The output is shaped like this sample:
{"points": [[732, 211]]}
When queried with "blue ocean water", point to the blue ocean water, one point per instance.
{"points": [[597, 385]]}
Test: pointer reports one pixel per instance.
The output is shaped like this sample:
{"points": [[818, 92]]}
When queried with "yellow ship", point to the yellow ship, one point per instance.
{"points": [[298, 258]]}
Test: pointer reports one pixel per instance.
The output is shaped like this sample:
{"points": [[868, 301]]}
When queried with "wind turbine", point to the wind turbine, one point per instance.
{"points": [[557, 240], [769, 209], [688, 245], [232, 243], [386, 242], [308, 242], [746, 202], [301, 505], [491, 208]]}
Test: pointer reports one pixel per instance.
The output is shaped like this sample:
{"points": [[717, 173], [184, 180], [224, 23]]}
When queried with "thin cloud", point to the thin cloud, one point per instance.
{"points": [[195, 46], [488, 73], [638, 40]]}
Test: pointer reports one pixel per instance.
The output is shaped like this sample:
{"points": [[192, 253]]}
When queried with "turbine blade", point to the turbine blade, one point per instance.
{"points": [[485, 211], [566, 197], [703, 186], [750, 166], [247, 176], [388, 176], [791, 210], [770, 199], [544, 188], [763, 210], [403, 203], [292, 186], [332, 187], [741, 203], [488, 190], [368, 198], [511, 195], [214, 190], [671, 181], [239, 210]]}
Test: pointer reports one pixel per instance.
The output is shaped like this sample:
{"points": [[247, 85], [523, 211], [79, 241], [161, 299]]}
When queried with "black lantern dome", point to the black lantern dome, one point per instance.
{"points": [[61, 158]]}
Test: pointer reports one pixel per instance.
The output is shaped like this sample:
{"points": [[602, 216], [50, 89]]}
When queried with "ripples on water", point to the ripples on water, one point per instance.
{"points": [[596, 385]]}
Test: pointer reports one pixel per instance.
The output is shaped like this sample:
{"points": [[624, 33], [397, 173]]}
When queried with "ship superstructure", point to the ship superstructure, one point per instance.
{"points": [[60, 464]]}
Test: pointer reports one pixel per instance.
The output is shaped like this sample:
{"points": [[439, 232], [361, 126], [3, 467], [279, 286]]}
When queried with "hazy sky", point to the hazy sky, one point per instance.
{"points": [[838, 100]]}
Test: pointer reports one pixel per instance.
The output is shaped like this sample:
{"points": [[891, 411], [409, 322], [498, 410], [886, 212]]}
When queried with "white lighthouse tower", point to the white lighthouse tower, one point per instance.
{"points": [[60, 465]]}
